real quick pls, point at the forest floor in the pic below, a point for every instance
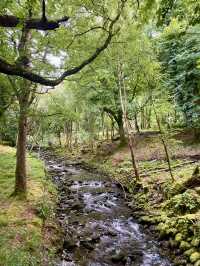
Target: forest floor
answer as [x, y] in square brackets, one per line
[171, 210]
[25, 225]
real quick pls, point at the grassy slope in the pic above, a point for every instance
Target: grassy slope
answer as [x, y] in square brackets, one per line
[24, 240]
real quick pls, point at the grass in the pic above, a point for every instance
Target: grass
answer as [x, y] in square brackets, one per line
[24, 237]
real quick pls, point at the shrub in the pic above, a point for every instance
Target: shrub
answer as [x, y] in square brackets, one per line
[187, 202]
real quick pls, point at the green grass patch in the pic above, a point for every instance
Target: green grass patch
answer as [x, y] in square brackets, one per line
[23, 238]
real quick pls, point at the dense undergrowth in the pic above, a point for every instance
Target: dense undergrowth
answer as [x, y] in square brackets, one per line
[26, 226]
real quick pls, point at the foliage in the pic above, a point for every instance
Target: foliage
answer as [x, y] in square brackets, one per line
[8, 126]
[6, 94]
[183, 10]
[179, 53]
[187, 202]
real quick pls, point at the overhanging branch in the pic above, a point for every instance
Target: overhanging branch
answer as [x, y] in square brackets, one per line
[8, 21]
[16, 70]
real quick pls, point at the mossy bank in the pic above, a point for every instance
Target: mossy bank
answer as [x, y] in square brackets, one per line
[169, 210]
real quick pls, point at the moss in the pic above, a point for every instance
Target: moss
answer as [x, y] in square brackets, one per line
[195, 242]
[179, 237]
[194, 257]
[187, 202]
[184, 245]
[171, 189]
[189, 252]
[161, 227]
[152, 219]
[171, 231]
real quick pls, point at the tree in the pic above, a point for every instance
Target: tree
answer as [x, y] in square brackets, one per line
[100, 18]
[101, 84]
[179, 53]
[183, 10]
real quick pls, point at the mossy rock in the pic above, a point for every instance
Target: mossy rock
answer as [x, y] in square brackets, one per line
[159, 219]
[197, 263]
[194, 257]
[189, 252]
[162, 227]
[147, 219]
[165, 230]
[195, 242]
[171, 231]
[184, 245]
[179, 237]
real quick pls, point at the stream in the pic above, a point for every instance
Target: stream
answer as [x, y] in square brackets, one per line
[99, 228]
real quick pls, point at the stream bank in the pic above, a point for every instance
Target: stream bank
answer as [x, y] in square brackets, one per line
[99, 229]
[169, 211]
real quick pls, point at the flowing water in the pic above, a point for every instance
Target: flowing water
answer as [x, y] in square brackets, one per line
[99, 228]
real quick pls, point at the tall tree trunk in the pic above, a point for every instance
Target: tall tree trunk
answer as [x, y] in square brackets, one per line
[118, 117]
[121, 132]
[112, 127]
[136, 123]
[149, 118]
[123, 101]
[164, 144]
[23, 98]
[20, 172]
